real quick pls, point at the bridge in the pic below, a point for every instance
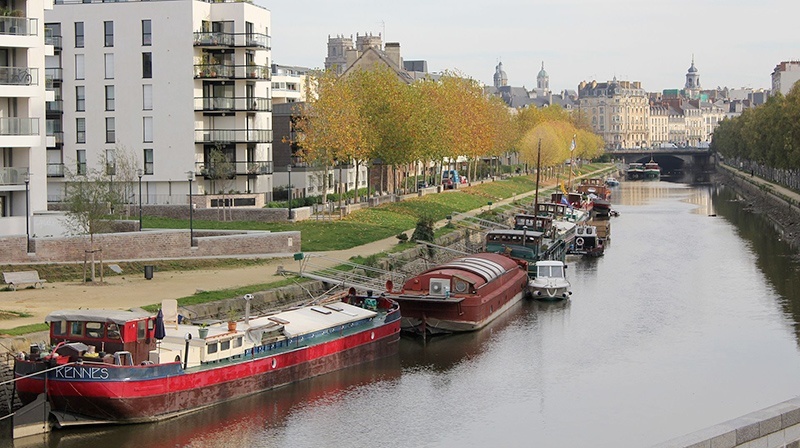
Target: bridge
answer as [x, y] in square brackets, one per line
[685, 164]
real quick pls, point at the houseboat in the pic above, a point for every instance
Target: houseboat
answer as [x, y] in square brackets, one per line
[462, 295]
[588, 242]
[635, 171]
[651, 170]
[107, 366]
[594, 186]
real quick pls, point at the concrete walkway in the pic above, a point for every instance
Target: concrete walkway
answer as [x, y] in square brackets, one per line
[790, 196]
[131, 290]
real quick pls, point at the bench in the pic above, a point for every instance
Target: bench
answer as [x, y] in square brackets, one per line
[14, 279]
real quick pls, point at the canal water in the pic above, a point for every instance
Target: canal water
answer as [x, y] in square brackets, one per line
[690, 319]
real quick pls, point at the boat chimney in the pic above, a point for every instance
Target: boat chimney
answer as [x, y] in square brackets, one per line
[247, 299]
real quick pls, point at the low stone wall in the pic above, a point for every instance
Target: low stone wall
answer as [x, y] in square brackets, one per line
[775, 427]
[214, 214]
[301, 213]
[151, 244]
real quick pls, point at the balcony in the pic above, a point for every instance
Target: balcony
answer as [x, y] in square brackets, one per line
[52, 75]
[222, 39]
[19, 126]
[255, 168]
[232, 104]
[19, 26]
[233, 135]
[55, 170]
[19, 76]
[54, 107]
[13, 175]
[55, 41]
[225, 71]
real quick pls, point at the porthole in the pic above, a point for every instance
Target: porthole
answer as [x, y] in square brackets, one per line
[461, 286]
[274, 363]
[372, 335]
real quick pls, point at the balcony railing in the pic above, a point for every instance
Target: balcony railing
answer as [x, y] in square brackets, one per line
[54, 107]
[13, 175]
[256, 168]
[59, 138]
[53, 74]
[19, 76]
[222, 39]
[55, 41]
[232, 71]
[55, 170]
[233, 135]
[19, 126]
[233, 104]
[19, 26]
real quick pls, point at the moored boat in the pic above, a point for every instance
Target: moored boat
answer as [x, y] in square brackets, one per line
[651, 170]
[588, 241]
[128, 367]
[550, 282]
[635, 171]
[612, 182]
[462, 295]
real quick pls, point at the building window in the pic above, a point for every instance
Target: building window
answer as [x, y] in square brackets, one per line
[80, 98]
[78, 34]
[147, 97]
[80, 157]
[148, 161]
[109, 98]
[109, 65]
[111, 162]
[108, 28]
[147, 33]
[80, 67]
[147, 126]
[111, 136]
[80, 130]
[147, 65]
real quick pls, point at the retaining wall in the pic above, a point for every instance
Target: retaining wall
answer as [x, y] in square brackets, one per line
[150, 244]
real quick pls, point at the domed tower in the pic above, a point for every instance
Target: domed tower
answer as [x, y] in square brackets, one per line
[542, 80]
[500, 78]
[692, 86]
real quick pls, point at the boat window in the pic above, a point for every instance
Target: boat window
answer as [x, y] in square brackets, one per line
[225, 345]
[212, 348]
[59, 328]
[237, 342]
[112, 330]
[140, 329]
[94, 330]
[76, 329]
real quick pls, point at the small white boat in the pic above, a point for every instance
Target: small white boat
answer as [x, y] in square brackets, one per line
[550, 282]
[612, 182]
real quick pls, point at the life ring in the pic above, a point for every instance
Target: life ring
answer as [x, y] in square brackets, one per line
[579, 241]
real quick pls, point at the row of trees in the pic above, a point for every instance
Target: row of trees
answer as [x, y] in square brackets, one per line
[373, 114]
[768, 135]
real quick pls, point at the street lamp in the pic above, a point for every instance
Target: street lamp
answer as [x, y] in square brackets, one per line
[27, 211]
[140, 173]
[190, 178]
[289, 170]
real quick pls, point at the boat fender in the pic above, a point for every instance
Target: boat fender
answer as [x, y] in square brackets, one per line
[579, 241]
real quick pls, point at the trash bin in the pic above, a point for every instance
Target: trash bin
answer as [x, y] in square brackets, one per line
[148, 271]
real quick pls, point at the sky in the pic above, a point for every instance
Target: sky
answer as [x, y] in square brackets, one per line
[735, 43]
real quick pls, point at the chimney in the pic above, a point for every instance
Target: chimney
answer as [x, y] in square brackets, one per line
[392, 50]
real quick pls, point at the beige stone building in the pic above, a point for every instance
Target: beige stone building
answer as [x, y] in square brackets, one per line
[618, 111]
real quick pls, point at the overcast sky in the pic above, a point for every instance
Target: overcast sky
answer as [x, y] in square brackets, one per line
[735, 43]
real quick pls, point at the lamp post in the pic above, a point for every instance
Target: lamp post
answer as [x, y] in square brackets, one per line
[289, 188]
[140, 173]
[27, 211]
[190, 178]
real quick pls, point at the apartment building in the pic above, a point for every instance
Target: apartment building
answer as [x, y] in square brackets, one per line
[618, 111]
[182, 87]
[784, 76]
[23, 179]
[289, 84]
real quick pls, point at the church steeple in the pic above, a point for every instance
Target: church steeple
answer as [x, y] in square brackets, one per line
[500, 78]
[542, 79]
[692, 86]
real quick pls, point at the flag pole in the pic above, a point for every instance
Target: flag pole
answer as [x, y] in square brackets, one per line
[538, 169]
[571, 150]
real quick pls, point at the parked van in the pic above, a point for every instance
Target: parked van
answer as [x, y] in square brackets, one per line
[450, 178]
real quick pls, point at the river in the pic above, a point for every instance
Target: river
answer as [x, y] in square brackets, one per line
[690, 319]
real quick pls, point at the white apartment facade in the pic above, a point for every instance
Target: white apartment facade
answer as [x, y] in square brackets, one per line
[289, 84]
[784, 76]
[168, 83]
[23, 179]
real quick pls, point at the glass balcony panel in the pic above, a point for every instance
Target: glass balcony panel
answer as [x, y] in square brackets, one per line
[13, 175]
[19, 76]
[19, 26]
[19, 126]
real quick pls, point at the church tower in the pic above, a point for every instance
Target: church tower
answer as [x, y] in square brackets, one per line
[542, 80]
[337, 53]
[500, 78]
[692, 87]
